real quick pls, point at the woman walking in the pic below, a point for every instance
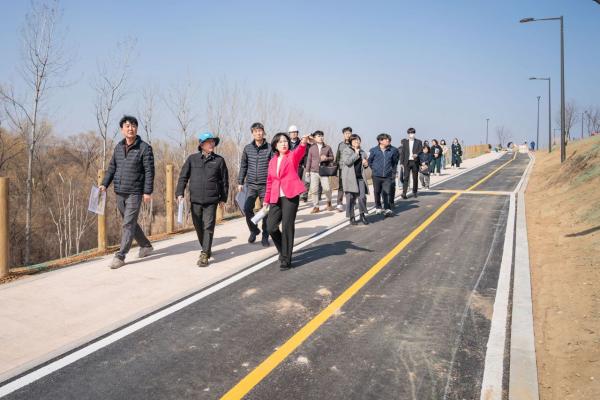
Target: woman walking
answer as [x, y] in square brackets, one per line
[456, 153]
[436, 158]
[425, 160]
[353, 163]
[445, 154]
[282, 196]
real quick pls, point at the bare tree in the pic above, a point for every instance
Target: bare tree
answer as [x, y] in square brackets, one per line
[179, 101]
[70, 216]
[503, 135]
[44, 61]
[10, 147]
[571, 118]
[109, 85]
[150, 97]
[592, 115]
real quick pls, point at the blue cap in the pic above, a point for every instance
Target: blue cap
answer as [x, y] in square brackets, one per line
[203, 137]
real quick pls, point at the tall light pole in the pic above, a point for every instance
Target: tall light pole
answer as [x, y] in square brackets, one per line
[563, 134]
[549, 110]
[487, 130]
[537, 137]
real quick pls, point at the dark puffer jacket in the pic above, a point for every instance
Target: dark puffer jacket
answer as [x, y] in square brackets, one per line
[255, 164]
[132, 172]
[208, 178]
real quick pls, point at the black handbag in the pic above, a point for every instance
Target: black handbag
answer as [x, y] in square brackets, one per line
[328, 170]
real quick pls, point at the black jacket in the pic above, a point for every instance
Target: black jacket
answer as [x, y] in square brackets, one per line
[208, 178]
[132, 173]
[439, 151]
[254, 165]
[405, 155]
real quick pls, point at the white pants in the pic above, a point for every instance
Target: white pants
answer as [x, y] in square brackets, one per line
[315, 181]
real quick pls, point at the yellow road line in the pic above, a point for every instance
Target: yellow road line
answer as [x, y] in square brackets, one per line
[263, 369]
[492, 173]
[482, 192]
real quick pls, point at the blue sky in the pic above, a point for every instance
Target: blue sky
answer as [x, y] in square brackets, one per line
[440, 66]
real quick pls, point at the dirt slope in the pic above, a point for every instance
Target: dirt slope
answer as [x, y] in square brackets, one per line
[563, 221]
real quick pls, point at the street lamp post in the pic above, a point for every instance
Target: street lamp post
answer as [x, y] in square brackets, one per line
[549, 110]
[563, 134]
[487, 125]
[537, 137]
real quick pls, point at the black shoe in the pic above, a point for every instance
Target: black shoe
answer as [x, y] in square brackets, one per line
[283, 266]
[415, 195]
[203, 260]
[353, 221]
[363, 219]
[252, 237]
[265, 241]
[404, 196]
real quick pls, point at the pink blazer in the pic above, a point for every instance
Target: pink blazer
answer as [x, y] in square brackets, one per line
[288, 176]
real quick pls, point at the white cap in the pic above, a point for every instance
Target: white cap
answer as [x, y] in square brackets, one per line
[292, 128]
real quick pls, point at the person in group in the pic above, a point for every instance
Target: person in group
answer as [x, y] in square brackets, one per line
[282, 195]
[436, 158]
[445, 154]
[395, 176]
[253, 172]
[425, 160]
[383, 161]
[456, 153]
[411, 148]
[132, 169]
[294, 133]
[319, 154]
[425, 142]
[347, 132]
[353, 163]
[208, 180]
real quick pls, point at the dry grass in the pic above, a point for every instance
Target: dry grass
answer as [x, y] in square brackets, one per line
[563, 220]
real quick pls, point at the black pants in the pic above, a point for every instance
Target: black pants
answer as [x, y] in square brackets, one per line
[382, 187]
[340, 194]
[303, 196]
[413, 169]
[204, 217]
[254, 192]
[393, 192]
[283, 212]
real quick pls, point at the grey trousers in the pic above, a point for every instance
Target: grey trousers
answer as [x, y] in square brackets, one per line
[129, 207]
[361, 196]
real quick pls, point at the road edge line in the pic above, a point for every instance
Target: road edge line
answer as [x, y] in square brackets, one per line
[523, 378]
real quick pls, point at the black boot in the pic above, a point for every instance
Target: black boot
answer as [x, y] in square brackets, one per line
[353, 221]
[363, 219]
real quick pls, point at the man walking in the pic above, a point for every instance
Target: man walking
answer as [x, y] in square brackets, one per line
[253, 171]
[383, 161]
[319, 154]
[209, 185]
[411, 148]
[347, 132]
[132, 170]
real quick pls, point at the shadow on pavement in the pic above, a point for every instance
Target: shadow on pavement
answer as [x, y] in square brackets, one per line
[321, 251]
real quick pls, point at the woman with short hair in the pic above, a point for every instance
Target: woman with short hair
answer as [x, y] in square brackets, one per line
[282, 196]
[354, 161]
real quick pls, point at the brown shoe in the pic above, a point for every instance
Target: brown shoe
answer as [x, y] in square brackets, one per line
[330, 207]
[315, 210]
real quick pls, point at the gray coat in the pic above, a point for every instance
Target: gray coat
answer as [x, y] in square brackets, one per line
[349, 180]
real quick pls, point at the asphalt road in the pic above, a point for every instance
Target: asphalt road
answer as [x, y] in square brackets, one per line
[417, 330]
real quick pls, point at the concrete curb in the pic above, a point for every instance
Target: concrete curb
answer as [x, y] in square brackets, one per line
[523, 382]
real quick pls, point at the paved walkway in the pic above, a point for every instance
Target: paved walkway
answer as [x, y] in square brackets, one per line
[49, 314]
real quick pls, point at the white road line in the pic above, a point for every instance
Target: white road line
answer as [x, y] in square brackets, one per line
[121, 333]
[491, 386]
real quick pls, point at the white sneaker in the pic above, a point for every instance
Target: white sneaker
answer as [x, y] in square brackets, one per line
[145, 251]
[340, 207]
[388, 213]
[378, 211]
[116, 263]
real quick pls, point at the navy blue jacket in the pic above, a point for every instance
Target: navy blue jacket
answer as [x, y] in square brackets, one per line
[384, 163]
